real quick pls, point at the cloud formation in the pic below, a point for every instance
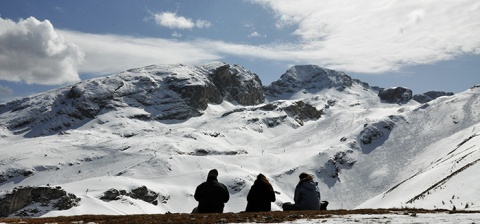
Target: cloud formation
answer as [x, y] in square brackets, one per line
[172, 21]
[354, 36]
[203, 23]
[176, 35]
[33, 52]
[253, 34]
[106, 54]
[378, 36]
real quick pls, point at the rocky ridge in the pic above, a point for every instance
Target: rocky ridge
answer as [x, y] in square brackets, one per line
[312, 78]
[175, 92]
[430, 95]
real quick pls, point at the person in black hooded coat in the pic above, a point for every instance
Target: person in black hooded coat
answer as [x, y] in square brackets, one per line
[211, 195]
[260, 196]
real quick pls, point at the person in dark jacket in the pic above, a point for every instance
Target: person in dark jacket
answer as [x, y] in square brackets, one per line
[307, 195]
[211, 195]
[260, 196]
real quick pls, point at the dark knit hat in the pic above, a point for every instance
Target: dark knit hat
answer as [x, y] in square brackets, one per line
[303, 176]
[213, 173]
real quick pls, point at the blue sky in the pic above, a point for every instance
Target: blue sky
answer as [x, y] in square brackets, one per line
[423, 45]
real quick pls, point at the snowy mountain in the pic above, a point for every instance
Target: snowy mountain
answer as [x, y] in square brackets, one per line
[141, 141]
[161, 92]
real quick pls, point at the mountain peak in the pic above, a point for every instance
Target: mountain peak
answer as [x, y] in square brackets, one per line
[306, 72]
[160, 92]
[313, 78]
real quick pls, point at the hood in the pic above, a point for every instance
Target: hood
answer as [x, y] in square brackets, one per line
[310, 185]
[211, 179]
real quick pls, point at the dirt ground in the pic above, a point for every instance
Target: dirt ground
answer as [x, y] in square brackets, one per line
[256, 217]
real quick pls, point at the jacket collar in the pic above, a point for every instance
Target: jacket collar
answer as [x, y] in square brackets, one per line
[211, 179]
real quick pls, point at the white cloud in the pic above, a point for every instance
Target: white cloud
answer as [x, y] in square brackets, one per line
[32, 51]
[254, 34]
[203, 24]
[105, 54]
[172, 21]
[353, 36]
[378, 36]
[176, 35]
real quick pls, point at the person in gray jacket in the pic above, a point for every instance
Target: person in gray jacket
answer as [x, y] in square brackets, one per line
[307, 195]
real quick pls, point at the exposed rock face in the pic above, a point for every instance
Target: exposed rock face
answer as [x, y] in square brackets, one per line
[274, 121]
[376, 133]
[111, 194]
[398, 95]
[195, 98]
[311, 77]
[302, 111]
[142, 193]
[236, 87]
[174, 92]
[299, 111]
[429, 96]
[205, 152]
[24, 196]
[12, 173]
[237, 184]
[330, 172]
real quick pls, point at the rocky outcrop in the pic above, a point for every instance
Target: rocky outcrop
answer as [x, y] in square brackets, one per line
[303, 111]
[330, 172]
[236, 87]
[372, 132]
[195, 97]
[112, 194]
[141, 193]
[206, 152]
[376, 133]
[429, 96]
[397, 95]
[311, 78]
[236, 184]
[299, 111]
[14, 173]
[272, 122]
[173, 92]
[21, 197]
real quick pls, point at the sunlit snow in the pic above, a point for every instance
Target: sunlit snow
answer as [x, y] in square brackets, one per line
[429, 158]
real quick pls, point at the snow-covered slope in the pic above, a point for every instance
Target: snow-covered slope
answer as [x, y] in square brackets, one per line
[442, 141]
[165, 127]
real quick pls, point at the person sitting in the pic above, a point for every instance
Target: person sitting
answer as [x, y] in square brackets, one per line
[260, 196]
[307, 195]
[211, 195]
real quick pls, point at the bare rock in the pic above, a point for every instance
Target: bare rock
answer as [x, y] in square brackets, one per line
[429, 96]
[398, 95]
[23, 196]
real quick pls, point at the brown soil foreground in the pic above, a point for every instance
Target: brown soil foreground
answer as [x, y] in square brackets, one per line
[258, 217]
